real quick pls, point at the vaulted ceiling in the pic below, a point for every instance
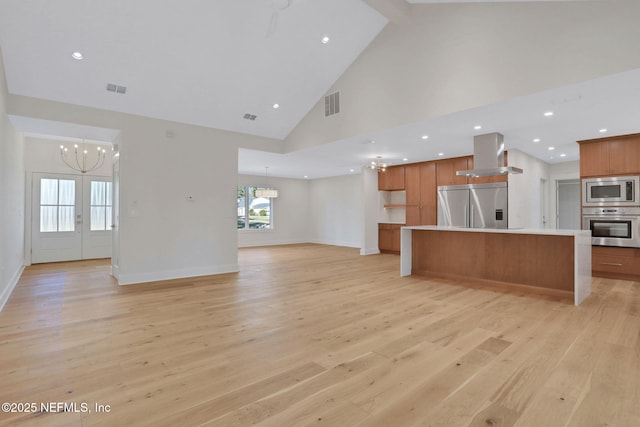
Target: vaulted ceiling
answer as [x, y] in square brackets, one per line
[199, 62]
[210, 63]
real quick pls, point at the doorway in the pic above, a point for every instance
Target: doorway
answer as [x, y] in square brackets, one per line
[568, 204]
[71, 217]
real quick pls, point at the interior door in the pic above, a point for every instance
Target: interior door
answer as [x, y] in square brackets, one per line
[71, 217]
[568, 204]
[56, 226]
[96, 227]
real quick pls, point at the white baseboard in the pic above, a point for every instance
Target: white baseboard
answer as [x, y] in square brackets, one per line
[4, 297]
[337, 243]
[115, 272]
[369, 251]
[132, 279]
[272, 243]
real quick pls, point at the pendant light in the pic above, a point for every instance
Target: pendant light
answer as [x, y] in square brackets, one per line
[82, 161]
[266, 191]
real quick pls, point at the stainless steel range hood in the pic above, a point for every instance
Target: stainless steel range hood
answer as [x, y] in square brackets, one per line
[488, 157]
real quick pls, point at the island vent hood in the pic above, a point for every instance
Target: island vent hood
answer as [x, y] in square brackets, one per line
[488, 157]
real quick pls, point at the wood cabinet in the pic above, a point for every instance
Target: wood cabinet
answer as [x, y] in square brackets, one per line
[615, 263]
[422, 198]
[594, 159]
[613, 156]
[389, 238]
[618, 155]
[446, 171]
[391, 179]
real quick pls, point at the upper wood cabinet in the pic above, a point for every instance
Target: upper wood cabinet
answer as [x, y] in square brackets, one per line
[618, 155]
[420, 183]
[624, 156]
[446, 171]
[391, 179]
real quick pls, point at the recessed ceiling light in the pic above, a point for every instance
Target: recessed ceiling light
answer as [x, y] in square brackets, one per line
[563, 155]
[440, 154]
[306, 177]
[425, 136]
[276, 105]
[536, 140]
[352, 170]
[325, 40]
[603, 130]
[405, 160]
[551, 148]
[548, 113]
[477, 127]
[77, 55]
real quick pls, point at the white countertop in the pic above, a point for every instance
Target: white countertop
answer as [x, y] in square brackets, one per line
[544, 231]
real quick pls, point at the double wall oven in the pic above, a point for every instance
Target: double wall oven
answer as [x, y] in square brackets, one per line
[611, 210]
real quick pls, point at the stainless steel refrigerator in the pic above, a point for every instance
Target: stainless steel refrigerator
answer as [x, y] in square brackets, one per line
[473, 205]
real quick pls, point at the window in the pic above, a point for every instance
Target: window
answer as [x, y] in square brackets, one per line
[57, 205]
[253, 212]
[100, 205]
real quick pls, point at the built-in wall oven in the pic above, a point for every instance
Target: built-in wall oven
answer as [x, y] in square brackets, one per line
[611, 191]
[614, 226]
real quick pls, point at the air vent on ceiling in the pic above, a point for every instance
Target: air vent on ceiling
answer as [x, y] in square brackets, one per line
[250, 116]
[332, 104]
[115, 88]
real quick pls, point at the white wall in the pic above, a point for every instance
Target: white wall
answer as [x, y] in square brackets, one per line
[335, 210]
[177, 203]
[526, 200]
[11, 198]
[290, 213]
[558, 172]
[163, 234]
[446, 58]
[369, 221]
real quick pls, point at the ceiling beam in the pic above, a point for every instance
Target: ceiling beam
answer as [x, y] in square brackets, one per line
[394, 10]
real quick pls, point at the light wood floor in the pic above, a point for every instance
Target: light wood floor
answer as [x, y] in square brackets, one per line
[316, 335]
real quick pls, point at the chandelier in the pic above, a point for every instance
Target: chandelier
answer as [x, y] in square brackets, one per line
[377, 164]
[82, 161]
[266, 191]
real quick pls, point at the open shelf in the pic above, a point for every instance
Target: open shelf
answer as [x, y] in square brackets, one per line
[392, 207]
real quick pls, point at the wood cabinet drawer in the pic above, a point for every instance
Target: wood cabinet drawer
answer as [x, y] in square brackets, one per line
[616, 265]
[622, 263]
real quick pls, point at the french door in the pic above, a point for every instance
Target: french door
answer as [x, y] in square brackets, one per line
[71, 217]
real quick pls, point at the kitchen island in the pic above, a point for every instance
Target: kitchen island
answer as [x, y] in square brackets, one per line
[556, 262]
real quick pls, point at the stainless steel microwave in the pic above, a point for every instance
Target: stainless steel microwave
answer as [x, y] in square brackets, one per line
[611, 191]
